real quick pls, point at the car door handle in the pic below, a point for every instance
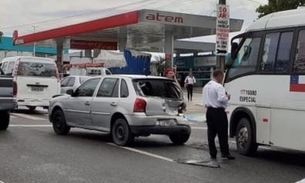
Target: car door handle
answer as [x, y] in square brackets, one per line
[87, 103]
[113, 104]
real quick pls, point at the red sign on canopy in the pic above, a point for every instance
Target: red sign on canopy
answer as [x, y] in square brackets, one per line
[87, 45]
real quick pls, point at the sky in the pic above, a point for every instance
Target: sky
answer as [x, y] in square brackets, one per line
[28, 16]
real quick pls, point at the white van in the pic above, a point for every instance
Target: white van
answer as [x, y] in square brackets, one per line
[86, 69]
[37, 79]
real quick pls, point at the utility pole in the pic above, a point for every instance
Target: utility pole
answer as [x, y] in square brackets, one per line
[220, 40]
[34, 46]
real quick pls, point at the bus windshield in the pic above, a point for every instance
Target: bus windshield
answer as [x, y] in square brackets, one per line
[246, 57]
[39, 69]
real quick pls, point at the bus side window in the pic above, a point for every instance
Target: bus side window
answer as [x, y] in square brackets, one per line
[269, 53]
[276, 52]
[299, 62]
[283, 54]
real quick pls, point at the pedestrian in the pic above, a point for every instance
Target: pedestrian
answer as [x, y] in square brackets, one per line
[215, 100]
[169, 73]
[189, 84]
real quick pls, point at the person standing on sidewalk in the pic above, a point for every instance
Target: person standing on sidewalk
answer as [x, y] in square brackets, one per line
[189, 83]
[216, 100]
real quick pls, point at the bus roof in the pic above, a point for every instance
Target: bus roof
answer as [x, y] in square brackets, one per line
[282, 19]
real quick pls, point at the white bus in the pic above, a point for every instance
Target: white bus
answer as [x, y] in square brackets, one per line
[36, 78]
[267, 88]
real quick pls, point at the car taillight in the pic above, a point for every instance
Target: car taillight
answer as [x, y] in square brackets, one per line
[15, 89]
[139, 105]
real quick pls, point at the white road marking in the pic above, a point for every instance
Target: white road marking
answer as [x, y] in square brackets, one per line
[28, 116]
[1, 181]
[30, 126]
[13, 117]
[144, 153]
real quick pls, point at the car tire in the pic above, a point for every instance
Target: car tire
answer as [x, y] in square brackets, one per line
[179, 139]
[121, 133]
[245, 141]
[31, 108]
[5, 120]
[60, 126]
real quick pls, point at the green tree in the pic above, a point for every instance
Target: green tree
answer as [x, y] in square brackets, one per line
[278, 5]
[159, 65]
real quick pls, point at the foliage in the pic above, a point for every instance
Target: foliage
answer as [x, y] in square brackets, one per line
[278, 5]
[159, 65]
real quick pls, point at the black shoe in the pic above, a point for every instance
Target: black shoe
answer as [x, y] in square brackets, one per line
[229, 157]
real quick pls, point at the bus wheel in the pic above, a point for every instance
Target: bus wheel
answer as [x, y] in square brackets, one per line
[245, 141]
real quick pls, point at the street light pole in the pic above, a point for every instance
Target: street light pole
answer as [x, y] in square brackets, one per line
[34, 46]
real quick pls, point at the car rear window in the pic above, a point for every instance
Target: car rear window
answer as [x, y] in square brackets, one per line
[157, 88]
[36, 69]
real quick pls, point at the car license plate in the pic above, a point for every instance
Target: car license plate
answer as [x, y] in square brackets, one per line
[169, 122]
[37, 88]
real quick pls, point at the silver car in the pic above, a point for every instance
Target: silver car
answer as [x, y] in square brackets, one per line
[71, 82]
[123, 106]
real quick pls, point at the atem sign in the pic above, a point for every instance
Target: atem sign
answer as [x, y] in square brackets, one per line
[164, 18]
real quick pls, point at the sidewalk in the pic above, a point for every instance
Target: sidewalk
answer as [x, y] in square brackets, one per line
[195, 112]
[195, 90]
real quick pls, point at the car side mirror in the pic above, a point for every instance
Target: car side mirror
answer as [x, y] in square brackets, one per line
[70, 92]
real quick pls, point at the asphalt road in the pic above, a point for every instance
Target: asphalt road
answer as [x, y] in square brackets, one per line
[31, 152]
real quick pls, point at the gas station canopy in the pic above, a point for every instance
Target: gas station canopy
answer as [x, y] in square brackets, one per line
[131, 30]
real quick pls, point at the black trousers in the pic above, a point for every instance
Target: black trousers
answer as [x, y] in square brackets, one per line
[217, 122]
[189, 91]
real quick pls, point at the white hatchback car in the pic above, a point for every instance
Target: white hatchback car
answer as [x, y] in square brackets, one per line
[124, 106]
[71, 82]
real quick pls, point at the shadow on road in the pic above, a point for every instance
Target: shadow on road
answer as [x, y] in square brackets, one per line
[281, 156]
[143, 142]
[27, 111]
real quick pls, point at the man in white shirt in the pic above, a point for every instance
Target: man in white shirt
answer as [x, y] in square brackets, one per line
[216, 100]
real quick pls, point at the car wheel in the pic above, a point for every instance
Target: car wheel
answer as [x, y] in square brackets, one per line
[121, 133]
[5, 120]
[60, 126]
[179, 139]
[245, 141]
[31, 108]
